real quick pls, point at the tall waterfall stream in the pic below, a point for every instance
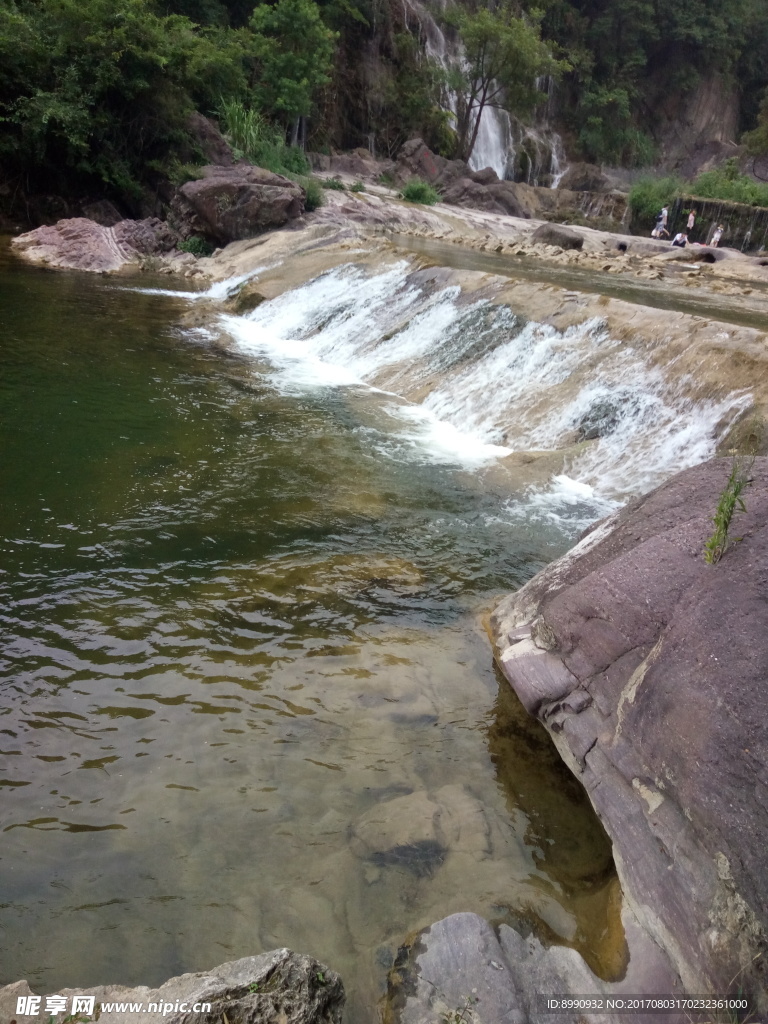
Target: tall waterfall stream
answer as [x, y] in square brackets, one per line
[244, 572]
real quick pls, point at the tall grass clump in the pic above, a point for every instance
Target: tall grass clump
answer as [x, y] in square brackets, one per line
[259, 140]
[313, 192]
[418, 191]
[729, 503]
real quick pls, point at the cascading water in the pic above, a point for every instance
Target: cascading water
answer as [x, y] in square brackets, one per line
[496, 383]
[533, 153]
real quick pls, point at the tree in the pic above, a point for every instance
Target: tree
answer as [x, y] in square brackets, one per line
[293, 51]
[503, 55]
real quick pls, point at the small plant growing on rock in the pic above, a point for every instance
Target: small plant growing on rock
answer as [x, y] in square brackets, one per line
[731, 502]
[462, 1014]
[334, 184]
[314, 195]
[418, 191]
[196, 245]
[357, 186]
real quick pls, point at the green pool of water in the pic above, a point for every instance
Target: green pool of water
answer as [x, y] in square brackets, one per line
[233, 626]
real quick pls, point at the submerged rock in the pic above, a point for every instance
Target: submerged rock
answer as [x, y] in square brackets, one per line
[416, 831]
[602, 418]
[280, 987]
[648, 667]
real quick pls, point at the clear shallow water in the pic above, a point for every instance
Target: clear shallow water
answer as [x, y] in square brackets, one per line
[238, 617]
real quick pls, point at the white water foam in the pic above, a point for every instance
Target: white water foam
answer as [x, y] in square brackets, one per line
[496, 383]
[217, 291]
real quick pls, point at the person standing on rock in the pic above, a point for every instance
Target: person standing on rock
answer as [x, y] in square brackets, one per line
[691, 220]
[717, 236]
[661, 223]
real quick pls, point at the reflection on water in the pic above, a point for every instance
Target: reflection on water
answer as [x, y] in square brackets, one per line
[247, 700]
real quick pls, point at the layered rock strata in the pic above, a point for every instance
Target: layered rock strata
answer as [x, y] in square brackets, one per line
[648, 667]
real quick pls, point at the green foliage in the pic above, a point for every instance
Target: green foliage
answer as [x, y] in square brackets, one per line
[260, 141]
[314, 197]
[727, 183]
[96, 89]
[401, 98]
[418, 191]
[648, 195]
[334, 184]
[731, 502]
[293, 51]
[503, 54]
[654, 53]
[196, 245]
[608, 133]
[357, 186]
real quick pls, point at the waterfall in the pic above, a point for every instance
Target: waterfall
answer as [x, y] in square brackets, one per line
[515, 151]
[467, 382]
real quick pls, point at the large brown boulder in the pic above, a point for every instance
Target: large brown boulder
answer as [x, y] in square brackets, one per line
[649, 667]
[229, 203]
[416, 160]
[81, 244]
[280, 986]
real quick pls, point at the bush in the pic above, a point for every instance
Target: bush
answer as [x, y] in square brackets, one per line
[333, 184]
[728, 183]
[260, 141]
[196, 245]
[313, 190]
[648, 195]
[418, 191]
[358, 186]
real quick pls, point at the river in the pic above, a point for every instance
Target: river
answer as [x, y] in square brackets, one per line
[242, 589]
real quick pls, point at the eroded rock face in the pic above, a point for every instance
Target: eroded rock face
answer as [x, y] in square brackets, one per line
[649, 669]
[581, 177]
[557, 234]
[280, 987]
[496, 197]
[82, 244]
[230, 203]
[209, 140]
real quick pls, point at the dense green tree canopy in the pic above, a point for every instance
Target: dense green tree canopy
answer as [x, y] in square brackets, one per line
[293, 50]
[95, 94]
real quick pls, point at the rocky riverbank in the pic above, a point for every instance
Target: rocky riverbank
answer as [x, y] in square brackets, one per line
[279, 986]
[647, 666]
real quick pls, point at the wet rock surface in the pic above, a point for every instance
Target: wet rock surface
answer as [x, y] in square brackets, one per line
[279, 987]
[463, 966]
[82, 244]
[648, 668]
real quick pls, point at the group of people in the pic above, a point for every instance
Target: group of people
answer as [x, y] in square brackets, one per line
[681, 238]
